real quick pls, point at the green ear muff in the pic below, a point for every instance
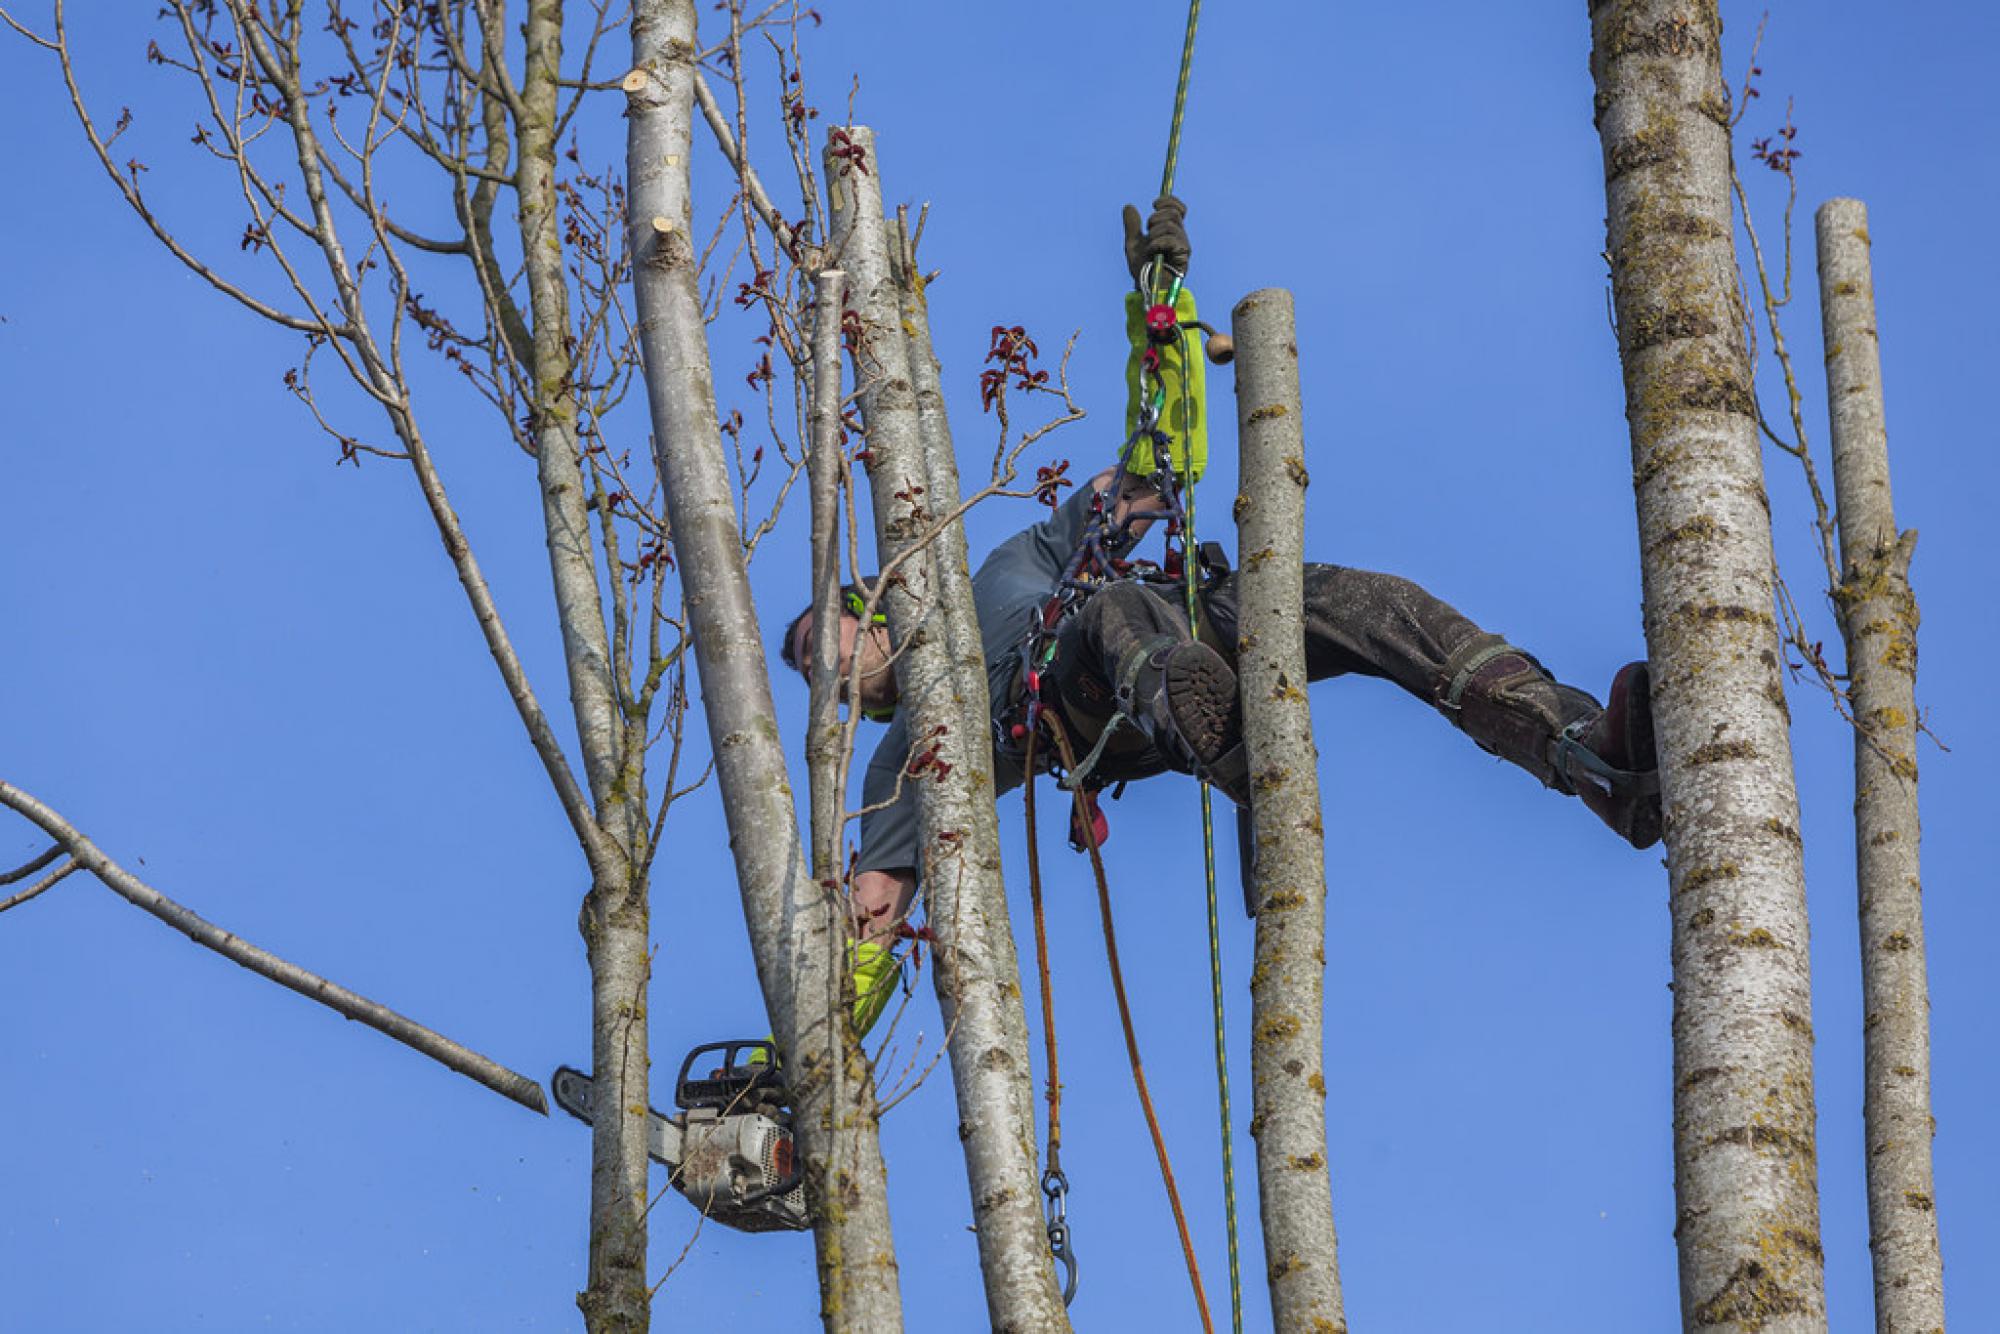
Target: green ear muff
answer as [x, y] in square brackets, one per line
[857, 607]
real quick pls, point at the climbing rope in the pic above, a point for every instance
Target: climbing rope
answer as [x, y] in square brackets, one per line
[1180, 99]
[1055, 1186]
[1150, 286]
[1084, 821]
[1190, 578]
[1096, 559]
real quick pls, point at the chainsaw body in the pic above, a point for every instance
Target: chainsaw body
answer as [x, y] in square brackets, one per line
[729, 1148]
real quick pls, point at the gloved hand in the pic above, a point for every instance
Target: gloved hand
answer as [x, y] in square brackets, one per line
[1164, 236]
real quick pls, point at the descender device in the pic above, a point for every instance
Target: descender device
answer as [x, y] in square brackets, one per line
[729, 1148]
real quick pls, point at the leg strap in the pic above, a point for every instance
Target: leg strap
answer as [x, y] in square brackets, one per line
[1077, 777]
[1465, 661]
[1569, 754]
[1127, 714]
[1128, 679]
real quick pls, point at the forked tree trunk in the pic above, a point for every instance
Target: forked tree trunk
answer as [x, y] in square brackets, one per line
[1287, 983]
[1744, 1153]
[941, 678]
[1878, 621]
[797, 927]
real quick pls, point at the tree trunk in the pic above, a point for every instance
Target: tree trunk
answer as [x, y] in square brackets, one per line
[797, 927]
[1287, 984]
[941, 678]
[824, 467]
[616, 913]
[1744, 1153]
[1878, 621]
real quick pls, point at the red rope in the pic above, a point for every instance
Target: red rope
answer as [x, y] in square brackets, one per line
[1042, 959]
[1124, 1007]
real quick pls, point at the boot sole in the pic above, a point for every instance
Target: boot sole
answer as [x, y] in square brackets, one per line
[1632, 693]
[1632, 699]
[1201, 697]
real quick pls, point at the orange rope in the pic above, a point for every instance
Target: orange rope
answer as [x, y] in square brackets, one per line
[1042, 960]
[1125, 1017]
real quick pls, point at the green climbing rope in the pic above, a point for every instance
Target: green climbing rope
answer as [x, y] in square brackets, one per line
[1190, 570]
[1180, 99]
[1191, 574]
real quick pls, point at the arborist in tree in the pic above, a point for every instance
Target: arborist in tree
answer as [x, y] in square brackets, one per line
[1105, 645]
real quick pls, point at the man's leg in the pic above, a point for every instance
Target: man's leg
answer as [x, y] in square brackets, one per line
[1382, 625]
[1127, 653]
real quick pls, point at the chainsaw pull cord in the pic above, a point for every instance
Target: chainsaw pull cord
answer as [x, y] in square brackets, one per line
[1055, 1186]
[1082, 816]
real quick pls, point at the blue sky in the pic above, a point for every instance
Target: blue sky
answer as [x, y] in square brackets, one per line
[251, 677]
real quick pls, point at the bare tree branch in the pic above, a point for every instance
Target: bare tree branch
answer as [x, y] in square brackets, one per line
[32, 36]
[40, 887]
[517, 1087]
[24, 871]
[725, 139]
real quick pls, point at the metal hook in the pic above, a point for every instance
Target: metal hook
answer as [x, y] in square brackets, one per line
[1055, 1186]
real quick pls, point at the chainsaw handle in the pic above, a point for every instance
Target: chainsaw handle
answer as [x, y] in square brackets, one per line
[733, 1078]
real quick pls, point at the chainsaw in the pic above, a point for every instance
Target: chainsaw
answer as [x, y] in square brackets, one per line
[729, 1148]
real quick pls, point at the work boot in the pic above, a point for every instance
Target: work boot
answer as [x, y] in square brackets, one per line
[1611, 761]
[1504, 700]
[1182, 695]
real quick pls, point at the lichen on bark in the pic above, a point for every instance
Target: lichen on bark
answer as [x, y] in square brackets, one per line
[1748, 1216]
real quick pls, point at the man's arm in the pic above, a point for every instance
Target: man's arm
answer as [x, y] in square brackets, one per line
[1135, 493]
[881, 901]
[885, 878]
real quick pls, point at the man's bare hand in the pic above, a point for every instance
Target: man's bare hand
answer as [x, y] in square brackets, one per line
[1136, 493]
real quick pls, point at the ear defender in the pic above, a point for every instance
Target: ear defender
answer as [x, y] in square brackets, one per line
[857, 607]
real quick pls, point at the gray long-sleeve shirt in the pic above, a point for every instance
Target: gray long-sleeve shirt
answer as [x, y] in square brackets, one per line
[1012, 585]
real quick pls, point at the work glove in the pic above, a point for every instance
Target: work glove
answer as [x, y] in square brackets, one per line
[1164, 236]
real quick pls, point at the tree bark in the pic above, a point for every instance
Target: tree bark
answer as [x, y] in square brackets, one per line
[1744, 1150]
[1287, 983]
[824, 466]
[797, 927]
[1878, 621]
[941, 680]
[616, 913]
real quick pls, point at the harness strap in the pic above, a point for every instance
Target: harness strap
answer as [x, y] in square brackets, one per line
[1570, 750]
[1468, 659]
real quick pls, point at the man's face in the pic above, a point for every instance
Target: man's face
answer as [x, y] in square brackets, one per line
[878, 677]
